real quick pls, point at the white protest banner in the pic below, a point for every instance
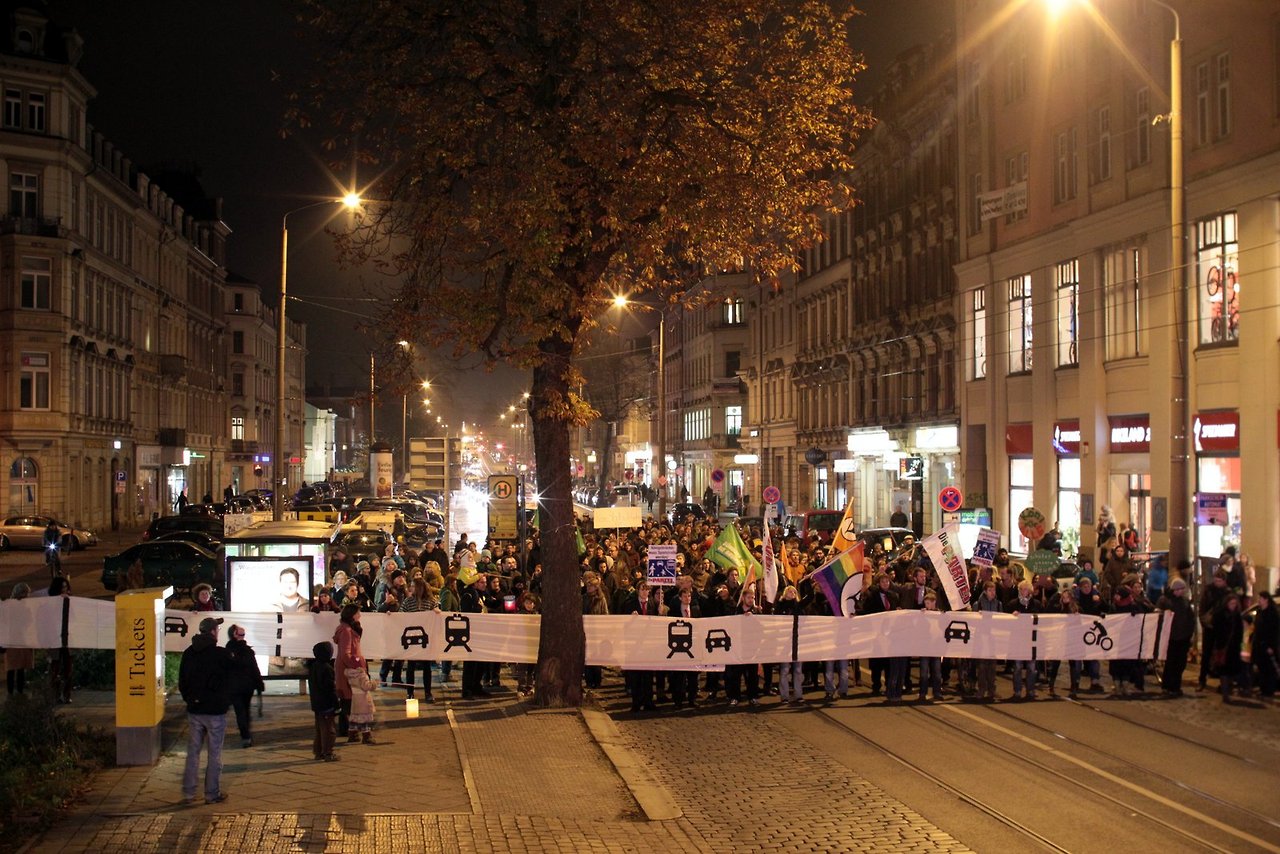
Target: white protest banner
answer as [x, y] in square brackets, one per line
[943, 549]
[634, 641]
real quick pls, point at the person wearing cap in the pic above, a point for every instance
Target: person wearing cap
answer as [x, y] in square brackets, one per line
[18, 661]
[1181, 633]
[471, 601]
[203, 682]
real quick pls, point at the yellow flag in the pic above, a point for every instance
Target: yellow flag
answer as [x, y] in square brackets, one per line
[844, 538]
[793, 573]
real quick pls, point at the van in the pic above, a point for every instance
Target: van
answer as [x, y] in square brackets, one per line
[823, 523]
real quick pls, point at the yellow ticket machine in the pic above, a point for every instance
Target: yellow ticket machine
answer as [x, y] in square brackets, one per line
[139, 674]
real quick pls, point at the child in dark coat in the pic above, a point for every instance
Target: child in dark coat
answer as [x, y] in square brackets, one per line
[322, 686]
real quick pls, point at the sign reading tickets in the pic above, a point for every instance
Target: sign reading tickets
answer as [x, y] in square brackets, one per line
[662, 567]
[140, 656]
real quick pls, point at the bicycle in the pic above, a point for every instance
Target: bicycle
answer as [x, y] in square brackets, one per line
[53, 560]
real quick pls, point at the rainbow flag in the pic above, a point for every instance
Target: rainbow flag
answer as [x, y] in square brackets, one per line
[842, 579]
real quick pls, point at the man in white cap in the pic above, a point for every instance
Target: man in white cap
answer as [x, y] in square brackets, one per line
[203, 680]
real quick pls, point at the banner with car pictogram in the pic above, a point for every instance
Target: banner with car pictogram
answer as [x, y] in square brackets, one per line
[634, 641]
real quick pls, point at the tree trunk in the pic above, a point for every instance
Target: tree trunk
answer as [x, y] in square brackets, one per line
[561, 642]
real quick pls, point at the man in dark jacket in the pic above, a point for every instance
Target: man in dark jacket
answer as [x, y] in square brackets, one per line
[471, 598]
[245, 678]
[203, 681]
[1181, 633]
[321, 685]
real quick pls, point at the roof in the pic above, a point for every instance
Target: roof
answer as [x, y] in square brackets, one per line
[288, 531]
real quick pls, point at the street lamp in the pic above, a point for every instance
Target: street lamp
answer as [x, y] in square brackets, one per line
[621, 301]
[1181, 452]
[350, 201]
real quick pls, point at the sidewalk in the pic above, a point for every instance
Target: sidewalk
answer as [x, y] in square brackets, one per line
[465, 776]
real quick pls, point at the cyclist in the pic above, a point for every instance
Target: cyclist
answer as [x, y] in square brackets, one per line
[52, 544]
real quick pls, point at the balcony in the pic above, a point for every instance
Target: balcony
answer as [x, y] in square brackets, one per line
[244, 446]
[173, 437]
[32, 226]
[173, 366]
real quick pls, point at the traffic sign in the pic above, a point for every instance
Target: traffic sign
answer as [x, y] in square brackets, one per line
[950, 498]
[772, 494]
[662, 480]
[503, 515]
[717, 475]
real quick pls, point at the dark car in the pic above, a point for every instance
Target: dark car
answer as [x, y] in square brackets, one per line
[210, 525]
[165, 562]
[890, 539]
[201, 538]
[686, 513]
[361, 541]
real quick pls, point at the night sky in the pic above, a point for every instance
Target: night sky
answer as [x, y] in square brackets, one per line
[185, 82]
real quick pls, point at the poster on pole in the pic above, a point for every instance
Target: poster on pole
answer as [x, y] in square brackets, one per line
[662, 565]
[986, 547]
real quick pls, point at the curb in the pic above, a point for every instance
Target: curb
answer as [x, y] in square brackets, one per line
[652, 796]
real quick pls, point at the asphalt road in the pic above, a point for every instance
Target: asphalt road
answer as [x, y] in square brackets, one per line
[83, 566]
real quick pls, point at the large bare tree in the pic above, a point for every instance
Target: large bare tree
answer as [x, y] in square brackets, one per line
[539, 156]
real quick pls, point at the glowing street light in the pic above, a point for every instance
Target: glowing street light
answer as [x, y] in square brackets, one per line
[351, 201]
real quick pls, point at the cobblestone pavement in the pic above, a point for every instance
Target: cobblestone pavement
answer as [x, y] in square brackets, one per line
[540, 784]
[748, 785]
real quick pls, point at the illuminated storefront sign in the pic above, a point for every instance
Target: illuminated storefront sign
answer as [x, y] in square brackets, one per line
[1217, 432]
[1130, 434]
[1066, 438]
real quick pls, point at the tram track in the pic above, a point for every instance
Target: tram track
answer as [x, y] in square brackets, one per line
[1146, 770]
[935, 716]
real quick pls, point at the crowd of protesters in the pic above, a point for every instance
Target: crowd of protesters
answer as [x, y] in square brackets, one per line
[613, 572]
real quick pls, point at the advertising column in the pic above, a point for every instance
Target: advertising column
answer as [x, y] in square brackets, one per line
[139, 674]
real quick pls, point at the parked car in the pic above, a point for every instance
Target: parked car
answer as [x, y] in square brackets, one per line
[210, 525]
[686, 513]
[820, 522]
[890, 539]
[165, 562]
[27, 532]
[201, 538]
[628, 494]
[362, 541]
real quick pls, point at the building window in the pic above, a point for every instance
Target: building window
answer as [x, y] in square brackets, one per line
[33, 384]
[1142, 130]
[1067, 278]
[978, 333]
[237, 427]
[237, 384]
[1021, 496]
[822, 493]
[237, 342]
[35, 112]
[1016, 169]
[1122, 287]
[1019, 324]
[1069, 503]
[1217, 280]
[733, 420]
[24, 481]
[1064, 171]
[37, 283]
[24, 194]
[733, 311]
[1015, 81]
[1224, 94]
[973, 103]
[732, 363]
[12, 108]
[238, 302]
[1203, 122]
[975, 203]
[1101, 170]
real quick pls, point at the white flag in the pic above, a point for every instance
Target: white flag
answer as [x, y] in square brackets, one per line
[770, 567]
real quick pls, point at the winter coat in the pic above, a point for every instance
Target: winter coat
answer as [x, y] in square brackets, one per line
[362, 688]
[1228, 634]
[245, 675]
[322, 687]
[350, 657]
[203, 677]
[1184, 622]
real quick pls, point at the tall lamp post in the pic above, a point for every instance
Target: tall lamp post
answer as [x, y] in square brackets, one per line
[1181, 310]
[661, 463]
[279, 470]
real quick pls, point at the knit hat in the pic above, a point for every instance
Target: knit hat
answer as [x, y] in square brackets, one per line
[1131, 578]
[1177, 584]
